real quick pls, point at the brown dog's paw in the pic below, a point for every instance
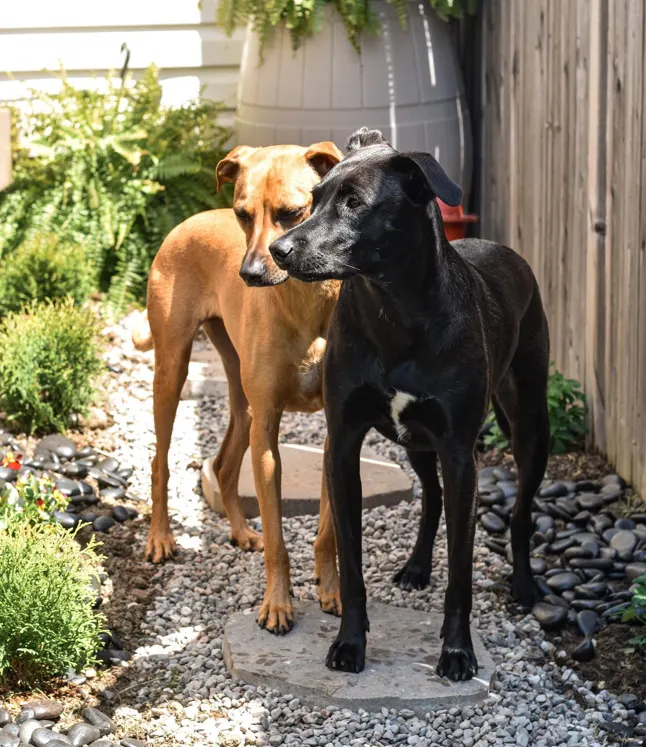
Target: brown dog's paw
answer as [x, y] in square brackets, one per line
[276, 618]
[247, 540]
[330, 602]
[160, 547]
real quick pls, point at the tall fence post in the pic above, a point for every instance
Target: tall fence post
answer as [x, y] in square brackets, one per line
[5, 148]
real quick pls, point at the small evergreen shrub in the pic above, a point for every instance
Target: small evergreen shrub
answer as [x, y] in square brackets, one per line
[48, 362]
[567, 411]
[47, 621]
[45, 268]
[31, 498]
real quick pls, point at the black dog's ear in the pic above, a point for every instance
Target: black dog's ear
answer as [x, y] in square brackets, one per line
[433, 176]
[364, 137]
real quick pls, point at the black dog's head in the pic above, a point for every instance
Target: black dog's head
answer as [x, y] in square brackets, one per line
[365, 211]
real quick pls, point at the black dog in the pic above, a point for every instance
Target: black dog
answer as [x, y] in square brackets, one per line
[425, 334]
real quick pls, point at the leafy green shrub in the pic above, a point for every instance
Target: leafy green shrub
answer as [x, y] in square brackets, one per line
[111, 170]
[47, 621]
[32, 498]
[567, 412]
[48, 360]
[304, 17]
[637, 613]
[45, 268]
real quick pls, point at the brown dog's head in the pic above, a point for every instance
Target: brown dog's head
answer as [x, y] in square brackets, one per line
[272, 192]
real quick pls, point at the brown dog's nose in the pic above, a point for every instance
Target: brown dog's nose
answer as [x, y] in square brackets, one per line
[253, 271]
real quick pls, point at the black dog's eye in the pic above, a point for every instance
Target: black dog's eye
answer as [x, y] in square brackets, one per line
[242, 215]
[352, 202]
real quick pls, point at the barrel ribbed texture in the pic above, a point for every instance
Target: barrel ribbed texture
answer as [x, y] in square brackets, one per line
[406, 83]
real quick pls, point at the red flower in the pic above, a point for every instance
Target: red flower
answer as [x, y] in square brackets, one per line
[40, 502]
[12, 460]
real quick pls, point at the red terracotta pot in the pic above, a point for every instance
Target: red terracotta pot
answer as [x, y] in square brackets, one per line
[455, 221]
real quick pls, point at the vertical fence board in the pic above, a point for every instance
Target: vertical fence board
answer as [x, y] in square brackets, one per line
[565, 173]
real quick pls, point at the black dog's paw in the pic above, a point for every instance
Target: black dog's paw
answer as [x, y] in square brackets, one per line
[347, 656]
[457, 663]
[364, 137]
[525, 591]
[412, 576]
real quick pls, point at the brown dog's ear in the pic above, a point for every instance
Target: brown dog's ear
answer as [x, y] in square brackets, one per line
[322, 157]
[228, 168]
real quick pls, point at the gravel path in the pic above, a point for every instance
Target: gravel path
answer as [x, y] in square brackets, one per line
[183, 693]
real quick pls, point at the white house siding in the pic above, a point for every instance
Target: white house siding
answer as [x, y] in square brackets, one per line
[85, 37]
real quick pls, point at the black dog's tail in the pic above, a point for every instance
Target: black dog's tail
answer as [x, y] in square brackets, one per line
[364, 137]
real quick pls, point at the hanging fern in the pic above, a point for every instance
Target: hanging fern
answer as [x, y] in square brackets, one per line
[304, 17]
[114, 171]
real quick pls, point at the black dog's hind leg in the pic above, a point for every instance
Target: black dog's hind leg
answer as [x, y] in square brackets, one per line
[342, 467]
[417, 572]
[525, 405]
[457, 659]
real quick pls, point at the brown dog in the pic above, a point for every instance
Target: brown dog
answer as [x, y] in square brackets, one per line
[271, 340]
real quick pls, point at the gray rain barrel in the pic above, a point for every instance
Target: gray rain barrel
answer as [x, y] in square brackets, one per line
[408, 84]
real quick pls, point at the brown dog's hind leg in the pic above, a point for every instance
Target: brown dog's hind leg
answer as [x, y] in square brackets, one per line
[276, 612]
[228, 462]
[171, 368]
[325, 570]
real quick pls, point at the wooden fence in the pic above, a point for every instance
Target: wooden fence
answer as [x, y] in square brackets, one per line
[562, 138]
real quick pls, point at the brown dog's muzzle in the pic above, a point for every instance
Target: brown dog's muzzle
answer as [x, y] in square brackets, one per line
[259, 269]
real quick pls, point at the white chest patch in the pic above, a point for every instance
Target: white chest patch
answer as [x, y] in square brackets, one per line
[399, 402]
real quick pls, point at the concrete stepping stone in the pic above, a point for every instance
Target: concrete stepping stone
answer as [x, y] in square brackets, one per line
[403, 650]
[384, 483]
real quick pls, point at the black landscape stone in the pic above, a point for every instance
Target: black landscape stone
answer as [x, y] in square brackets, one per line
[65, 519]
[555, 490]
[493, 523]
[550, 617]
[634, 570]
[68, 487]
[584, 651]
[624, 542]
[132, 743]
[103, 523]
[8, 475]
[41, 737]
[108, 465]
[111, 480]
[625, 524]
[538, 566]
[600, 564]
[45, 709]
[57, 444]
[588, 622]
[590, 501]
[565, 581]
[82, 734]
[556, 601]
[5, 717]
[74, 469]
[559, 545]
[97, 718]
[120, 513]
[113, 493]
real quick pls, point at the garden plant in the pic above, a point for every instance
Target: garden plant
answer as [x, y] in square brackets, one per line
[48, 363]
[567, 412]
[47, 621]
[113, 171]
[305, 18]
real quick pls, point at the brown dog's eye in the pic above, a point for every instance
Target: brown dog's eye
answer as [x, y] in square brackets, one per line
[288, 215]
[242, 215]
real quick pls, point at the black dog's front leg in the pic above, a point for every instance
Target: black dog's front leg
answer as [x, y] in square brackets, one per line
[344, 487]
[417, 572]
[457, 659]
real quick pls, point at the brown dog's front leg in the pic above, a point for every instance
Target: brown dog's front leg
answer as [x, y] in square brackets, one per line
[276, 613]
[325, 570]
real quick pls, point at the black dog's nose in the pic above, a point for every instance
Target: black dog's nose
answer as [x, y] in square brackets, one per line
[281, 248]
[253, 272]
